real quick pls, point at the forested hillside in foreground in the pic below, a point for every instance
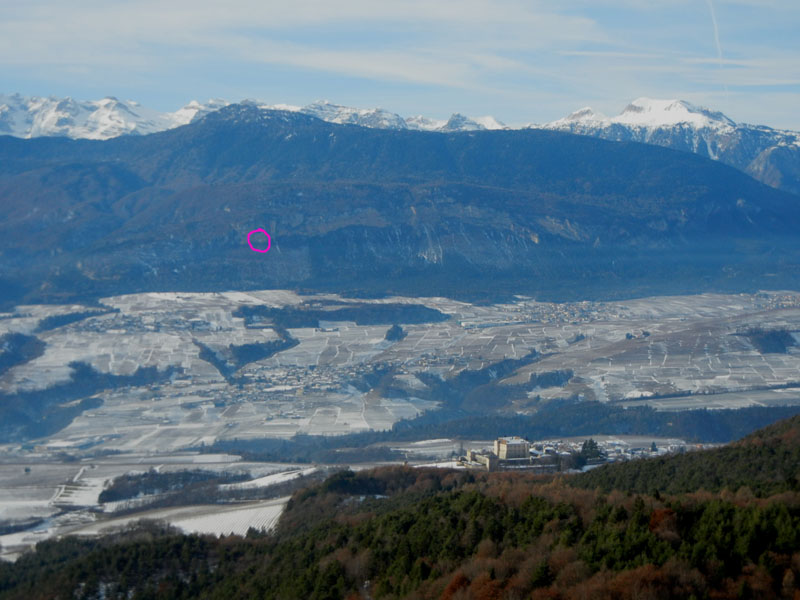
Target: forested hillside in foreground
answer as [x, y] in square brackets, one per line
[766, 462]
[400, 532]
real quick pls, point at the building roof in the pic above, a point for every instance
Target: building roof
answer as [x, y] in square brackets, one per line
[514, 439]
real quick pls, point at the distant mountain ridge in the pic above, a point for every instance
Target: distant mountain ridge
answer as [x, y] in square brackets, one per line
[32, 116]
[367, 210]
[771, 156]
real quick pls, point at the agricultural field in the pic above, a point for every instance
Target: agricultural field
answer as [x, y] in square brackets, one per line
[48, 498]
[695, 351]
[692, 350]
[273, 364]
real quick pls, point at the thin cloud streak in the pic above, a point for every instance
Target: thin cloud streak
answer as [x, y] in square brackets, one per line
[521, 60]
[716, 37]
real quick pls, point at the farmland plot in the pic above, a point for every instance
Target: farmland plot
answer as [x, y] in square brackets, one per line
[630, 351]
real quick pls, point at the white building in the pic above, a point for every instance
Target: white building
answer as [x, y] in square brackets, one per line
[506, 448]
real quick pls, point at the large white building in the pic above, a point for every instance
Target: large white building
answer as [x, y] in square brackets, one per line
[506, 448]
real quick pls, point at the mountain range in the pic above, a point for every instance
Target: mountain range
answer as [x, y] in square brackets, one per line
[367, 210]
[32, 116]
[771, 156]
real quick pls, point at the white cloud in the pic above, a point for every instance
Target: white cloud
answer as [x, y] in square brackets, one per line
[442, 43]
[520, 55]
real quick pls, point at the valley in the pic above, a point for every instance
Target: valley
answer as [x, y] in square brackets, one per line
[339, 378]
[388, 346]
[342, 377]
[425, 293]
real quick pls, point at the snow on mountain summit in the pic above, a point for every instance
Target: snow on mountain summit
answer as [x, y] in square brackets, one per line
[195, 110]
[582, 115]
[660, 113]
[490, 123]
[647, 113]
[585, 114]
[420, 123]
[28, 117]
[459, 122]
[769, 155]
[376, 118]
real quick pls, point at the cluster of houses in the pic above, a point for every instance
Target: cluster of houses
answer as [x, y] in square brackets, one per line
[514, 452]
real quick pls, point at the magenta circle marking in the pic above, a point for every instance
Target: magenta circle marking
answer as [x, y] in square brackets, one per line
[253, 248]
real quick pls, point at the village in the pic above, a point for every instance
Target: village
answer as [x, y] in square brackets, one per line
[569, 455]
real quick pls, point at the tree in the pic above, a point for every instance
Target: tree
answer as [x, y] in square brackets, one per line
[590, 449]
[395, 333]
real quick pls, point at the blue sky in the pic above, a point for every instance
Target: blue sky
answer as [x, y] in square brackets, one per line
[521, 61]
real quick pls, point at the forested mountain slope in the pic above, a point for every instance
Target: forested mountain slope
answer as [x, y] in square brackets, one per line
[352, 209]
[767, 462]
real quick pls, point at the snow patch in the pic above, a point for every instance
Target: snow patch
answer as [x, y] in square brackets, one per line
[647, 113]
[234, 521]
[420, 123]
[268, 480]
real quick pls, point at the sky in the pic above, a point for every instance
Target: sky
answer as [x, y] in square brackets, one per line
[528, 61]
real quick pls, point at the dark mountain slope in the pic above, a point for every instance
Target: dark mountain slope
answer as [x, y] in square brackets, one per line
[354, 209]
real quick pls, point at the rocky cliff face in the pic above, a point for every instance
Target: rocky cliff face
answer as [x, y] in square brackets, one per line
[356, 210]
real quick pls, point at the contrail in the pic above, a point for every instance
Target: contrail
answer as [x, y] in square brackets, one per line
[716, 31]
[716, 41]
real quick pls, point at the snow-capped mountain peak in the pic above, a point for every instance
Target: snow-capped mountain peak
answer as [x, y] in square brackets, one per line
[459, 122]
[377, 118]
[648, 112]
[34, 116]
[195, 110]
[110, 117]
[489, 122]
[420, 123]
[769, 155]
[582, 115]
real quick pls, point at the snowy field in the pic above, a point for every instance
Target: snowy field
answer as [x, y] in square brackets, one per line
[269, 480]
[57, 497]
[440, 448]
[232, 520]
[213, 519]
[633, 351]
